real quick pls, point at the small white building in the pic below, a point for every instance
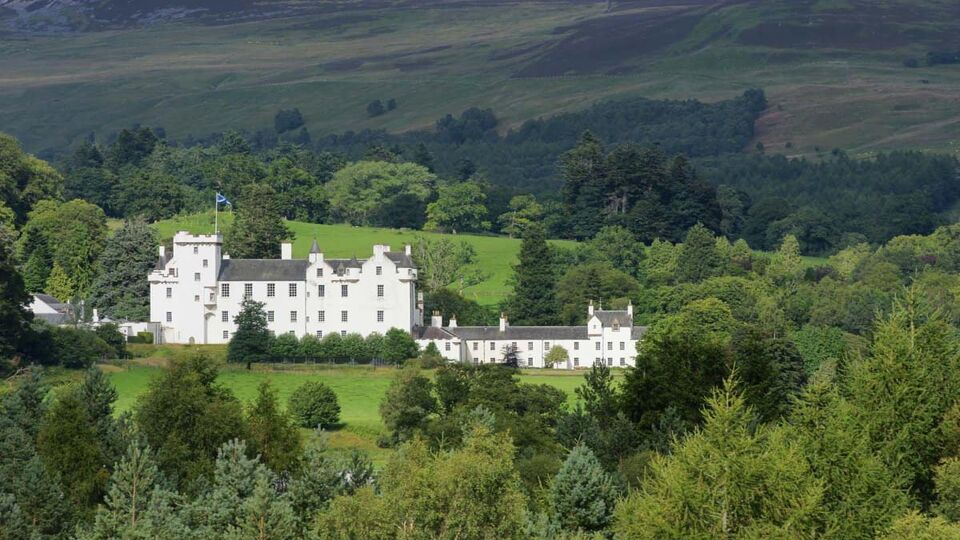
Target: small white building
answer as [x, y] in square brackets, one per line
[609, 337]
[50, 310]
[196, 291]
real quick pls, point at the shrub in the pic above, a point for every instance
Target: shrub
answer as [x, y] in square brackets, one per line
[431, 358]
[79, 348]
[145, 337]
[314, 404]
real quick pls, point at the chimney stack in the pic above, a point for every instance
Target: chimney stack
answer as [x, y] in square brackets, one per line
[286, 250]
[436, 320]
[590, 309]
[503, 322]
[630, 308]
[162, 251]
[453, 322]
[408, 249]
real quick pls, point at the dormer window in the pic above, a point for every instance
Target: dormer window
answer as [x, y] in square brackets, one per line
[616, 326]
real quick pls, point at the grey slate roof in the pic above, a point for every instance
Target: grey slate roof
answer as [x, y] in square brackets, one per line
[608, 317]
[346, 263]
[49, 300]
[315, 247]
[53, 318]
[401, 259]
[263, 270]
[519, 332]
[431, 332]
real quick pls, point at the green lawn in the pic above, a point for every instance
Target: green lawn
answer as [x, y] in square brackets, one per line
[495, 254]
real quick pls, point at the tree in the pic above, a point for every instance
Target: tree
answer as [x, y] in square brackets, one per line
[556, 356]
[593, 282]
[258, 228]
[15, 317]
[698, 258]
[252, 340]
[186, 416]
[399, 346]
[381, 194]
[598, 394]
[583, 495]
[148, 194]
[916, 526]
[68, 444]
[534, 301]
[727, 479]
[375, 108]
[585, 186]
[524, 210]
[459, 207]
[407, 404]
[314, 405]
[264, 515]
[272, 433]
[786, 267]
[99, 395]
[287, 120]
[25, 406]
[621, 248]
[442, 262]
[135, 505]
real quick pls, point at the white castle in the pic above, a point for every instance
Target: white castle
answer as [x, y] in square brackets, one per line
[196, 292]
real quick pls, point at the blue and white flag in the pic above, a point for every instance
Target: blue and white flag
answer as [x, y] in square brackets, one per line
[221, 199]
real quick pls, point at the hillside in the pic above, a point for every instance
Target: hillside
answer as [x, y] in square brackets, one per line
[833, 71]
[495, 254]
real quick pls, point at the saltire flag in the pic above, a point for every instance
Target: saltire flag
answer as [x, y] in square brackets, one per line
[221, 199]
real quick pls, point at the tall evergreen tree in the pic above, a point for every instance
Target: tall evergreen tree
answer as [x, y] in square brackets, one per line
[258, 228]
[534, 300]
[583, 495]
[698, 258]
[272, 433]
[25, 406]
[585, 188]
[252, 340]
[120, 290]
[99, 396]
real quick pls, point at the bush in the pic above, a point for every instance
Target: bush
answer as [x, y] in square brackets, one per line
[78, 348]
[430, 357]
[314, 404]
[145, 337]
[111, 334]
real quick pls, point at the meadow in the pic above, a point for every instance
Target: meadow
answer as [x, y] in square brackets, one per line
[359, 388]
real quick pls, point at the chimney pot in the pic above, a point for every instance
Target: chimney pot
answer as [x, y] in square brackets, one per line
[286, 250]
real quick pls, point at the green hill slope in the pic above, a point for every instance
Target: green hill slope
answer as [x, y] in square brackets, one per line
[833, 69]
[495, 255]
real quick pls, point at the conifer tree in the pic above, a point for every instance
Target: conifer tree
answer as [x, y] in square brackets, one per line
[534, 298]
[25, 406]
[99, 396]
[59, 285]
[258, 228]
[120, 290]
[585, 187]
[698, 258]
[583, 495]
[263, 515]
[272, 433]
[786, 266]
[252, 341]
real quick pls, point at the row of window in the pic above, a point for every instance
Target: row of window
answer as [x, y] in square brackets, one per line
[546, 345]
[271, 316]
[272, 290]
[340, 272]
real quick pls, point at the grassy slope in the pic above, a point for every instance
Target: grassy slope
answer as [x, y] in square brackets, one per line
[495, 254]
[199, 79]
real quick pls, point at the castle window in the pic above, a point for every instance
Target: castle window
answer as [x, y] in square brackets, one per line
[576, 361]
[196, 298]
[292, 290]
[225, 290]
[322, 316]
[610, 362]
[546, 345]
[343, 290]
[529, 345]
[379, 270]
[529, 361]
[380, 291]
[474, 345]
[224, 316]
[293, 316]
[169, 292]
[597, 347]
[169, 316]
[576, 345]
[623, 346]
[319, 272]
[622, 362]
[321, 290]
[271, 289]
[343, 316]
[319, 334]
[196, 276]
[493, 346]
[248, 290]
[609, 345]
[226, 334]
[270, 316]
[343, 333]
[380, 316]
[196, 250]
[206, 263]
[446, 346]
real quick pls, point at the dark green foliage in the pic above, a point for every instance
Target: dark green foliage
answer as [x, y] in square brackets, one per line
[698, 259]
[120, 290]
[271, 433]
[398, 346]
[583, 495]
[79, 347]
[68, 444]
[258, 228]
[287, 120]
[25, 406]
[451, 304]
[599, 283]
[621, 248]
[407, 405]
[375, 108]
[98, 395]
[186, 416]
[131, 147]
[314, 405]
[252, 341]
[111, 335]
[534, 300]
[771, 372]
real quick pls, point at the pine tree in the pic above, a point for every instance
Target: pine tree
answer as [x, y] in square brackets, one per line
[258, 228]
[786, 266]
[120, 290]
[316, 484]
[99, 396]
[583, 495]
[68, 444]
[698, 258]
[264, 515]
[585, 187]
[13, 524]
[272, 433]
[534, 300]
[59, 285]
[25, 406]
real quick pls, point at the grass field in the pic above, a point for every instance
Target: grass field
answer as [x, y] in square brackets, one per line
[359, 388]
[833, 70]
[495, 254]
